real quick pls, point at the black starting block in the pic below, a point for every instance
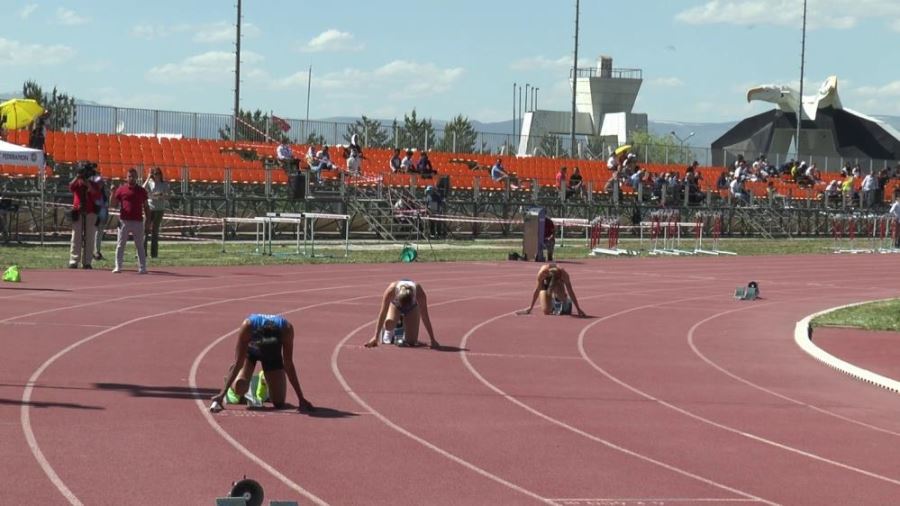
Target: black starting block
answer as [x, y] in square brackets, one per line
[247, 492]
[750, 292]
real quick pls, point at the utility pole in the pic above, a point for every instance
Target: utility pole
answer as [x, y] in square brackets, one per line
[802, 65]
[574, 79]
[237, 74]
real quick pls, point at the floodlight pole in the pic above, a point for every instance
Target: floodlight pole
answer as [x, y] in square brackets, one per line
[802, 65]
[237, 74]
[574, 79]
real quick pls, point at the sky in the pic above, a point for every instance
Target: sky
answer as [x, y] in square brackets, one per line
[446, 58]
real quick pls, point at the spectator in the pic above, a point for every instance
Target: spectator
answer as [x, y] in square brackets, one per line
[895, 212]
[85, 194]
[102, 215]
[322, 161]
[612, 163]
[354, 155]
[407, 164]
[722, 181]
[131, 198]
[284, 155]
[561, 177]
[883, 179]
[424, 167]
[738, 192]
[499, 174]
[549, 238]
[3, 127]
[576, 182]
[434, 202]
[833, 189]
[158, 196]
[39, 131]
[395, 162]
[847, 188]
[869, 190]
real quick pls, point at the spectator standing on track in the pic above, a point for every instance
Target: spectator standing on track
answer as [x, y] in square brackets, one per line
[85, 194]
[549, 238]
[158, 195]
[404, 303]
[554, 289]
[131, 199]
[269, 340]
[102, 215]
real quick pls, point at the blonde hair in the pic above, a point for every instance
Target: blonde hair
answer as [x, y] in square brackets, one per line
[554, 276]
[404, 295]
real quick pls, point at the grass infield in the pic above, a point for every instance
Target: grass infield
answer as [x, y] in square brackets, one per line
[873, 316]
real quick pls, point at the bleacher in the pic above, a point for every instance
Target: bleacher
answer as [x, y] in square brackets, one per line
[208, 161]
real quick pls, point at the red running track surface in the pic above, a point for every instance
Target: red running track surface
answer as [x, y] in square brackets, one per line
[671, 393]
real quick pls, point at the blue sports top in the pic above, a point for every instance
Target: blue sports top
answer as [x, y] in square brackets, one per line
[257, 322]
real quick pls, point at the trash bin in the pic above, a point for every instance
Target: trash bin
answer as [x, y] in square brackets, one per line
[533, 234]
[297, 184]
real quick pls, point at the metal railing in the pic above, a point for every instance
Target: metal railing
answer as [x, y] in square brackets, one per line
[124, 120]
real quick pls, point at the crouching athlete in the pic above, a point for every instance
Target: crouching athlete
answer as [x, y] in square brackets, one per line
[269, 340]
[554, 289]
[403, 301]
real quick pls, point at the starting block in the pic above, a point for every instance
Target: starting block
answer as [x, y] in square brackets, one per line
[750, 292]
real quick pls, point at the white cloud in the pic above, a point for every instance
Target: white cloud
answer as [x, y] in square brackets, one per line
[69, 17]
[886, 91]
[27, 10]
[542, 63]
[399, 80]
[836, 14]
[222, 32]
[13, 52]
[211, 66]
[332, 41]
[666, 82]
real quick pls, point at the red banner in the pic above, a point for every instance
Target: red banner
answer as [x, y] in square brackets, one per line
[280, 123]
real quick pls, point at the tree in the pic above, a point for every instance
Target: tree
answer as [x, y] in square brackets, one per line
[415, 134]
[553, 146]
[371, 133]
[61, 105]
[314, 138]
[252, 127]
[660, 148]
[459, 136]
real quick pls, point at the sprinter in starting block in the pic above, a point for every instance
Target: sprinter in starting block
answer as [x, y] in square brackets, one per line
[554, 289]
[404, 301]
[269, 340]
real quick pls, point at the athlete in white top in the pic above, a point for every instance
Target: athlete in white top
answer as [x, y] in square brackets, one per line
[403, 300]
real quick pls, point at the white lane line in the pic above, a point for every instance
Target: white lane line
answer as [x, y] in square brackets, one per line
[25, 418]
[644, 501]
[800, 338]
[708, 421]
[383, 419]
[587, 435]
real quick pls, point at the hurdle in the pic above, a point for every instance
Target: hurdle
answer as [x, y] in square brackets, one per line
[306, 228]
[889, 233]
[716, 234]
[613, 227]
[666, 225]
[850, 224]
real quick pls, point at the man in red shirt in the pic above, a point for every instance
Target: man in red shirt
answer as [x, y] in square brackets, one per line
[131, 198]
[85, 195]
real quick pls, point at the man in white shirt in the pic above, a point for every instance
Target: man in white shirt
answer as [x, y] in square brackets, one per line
[869, 189]
[284, 155]
[895, 212]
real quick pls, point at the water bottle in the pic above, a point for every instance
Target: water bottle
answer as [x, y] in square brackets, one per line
[399, 334]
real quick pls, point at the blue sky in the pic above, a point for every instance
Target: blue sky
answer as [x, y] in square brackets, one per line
[443, 58]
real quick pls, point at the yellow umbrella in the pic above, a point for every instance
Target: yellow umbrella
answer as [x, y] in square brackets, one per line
[20, 112]
[623, 149]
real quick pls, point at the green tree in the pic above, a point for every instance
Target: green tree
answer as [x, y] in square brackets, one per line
[252, 126]
[660, 149]
[553, 146]
[371, 133]
[415, 133]
[315, 138]
[61, 105]
[459, 136]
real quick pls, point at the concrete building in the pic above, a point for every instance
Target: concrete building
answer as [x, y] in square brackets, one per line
[603, 102]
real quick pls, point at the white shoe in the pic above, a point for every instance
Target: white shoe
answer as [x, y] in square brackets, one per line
[142, 271]
[116, 270]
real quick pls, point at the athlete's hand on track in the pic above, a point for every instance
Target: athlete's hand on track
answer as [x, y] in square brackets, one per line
[523, 312]
[372, 342]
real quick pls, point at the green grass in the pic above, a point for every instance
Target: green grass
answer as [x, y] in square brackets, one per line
[55, 255]
[872, 316]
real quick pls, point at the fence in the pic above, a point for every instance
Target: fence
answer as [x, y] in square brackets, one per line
[121, 120]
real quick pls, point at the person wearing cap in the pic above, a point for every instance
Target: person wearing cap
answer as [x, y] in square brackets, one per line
[269, 340]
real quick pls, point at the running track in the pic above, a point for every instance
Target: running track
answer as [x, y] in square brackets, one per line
[672, 393]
